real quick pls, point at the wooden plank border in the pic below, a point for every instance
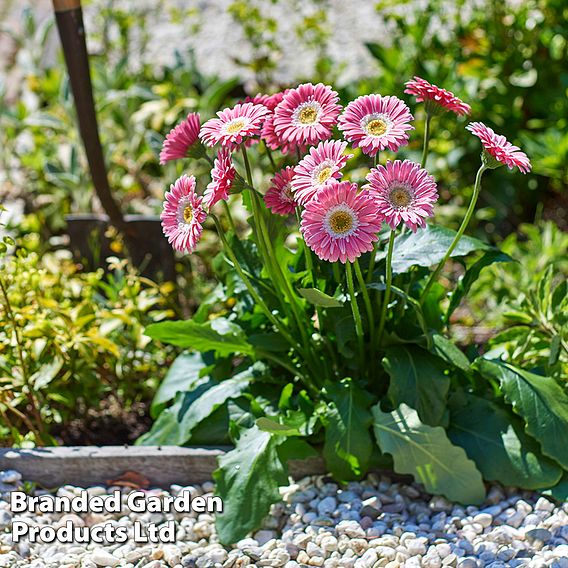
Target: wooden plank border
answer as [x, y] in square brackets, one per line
[85, 466]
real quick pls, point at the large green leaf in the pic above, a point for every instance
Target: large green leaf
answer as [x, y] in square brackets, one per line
[539, 400]
[471, 275]
[495, 440]
[348, 443]
[183, 375]
[417, 379]
[175, 424]
[427, 454]
[220, 335]
[247, 480]
[428, 246]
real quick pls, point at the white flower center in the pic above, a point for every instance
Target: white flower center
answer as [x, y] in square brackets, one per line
[306, 114]
[401, 195]
[235, 125]
[185, 214]
[376, 124]
[322, 172]
[341, 221]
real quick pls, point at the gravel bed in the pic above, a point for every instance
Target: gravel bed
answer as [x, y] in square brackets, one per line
[369, 524]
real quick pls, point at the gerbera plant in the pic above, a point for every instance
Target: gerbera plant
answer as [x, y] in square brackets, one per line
[328, 332]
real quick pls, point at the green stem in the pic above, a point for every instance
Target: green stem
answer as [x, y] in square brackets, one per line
[255, 296]
[367, 302]
[269, 154]
[459, 234]
[371, 268]
[356, 313]
[386, 297]
[336, 273]
[426, 140]
[229, 217]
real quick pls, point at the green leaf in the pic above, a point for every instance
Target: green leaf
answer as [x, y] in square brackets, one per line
[559, 491]
[296, 449]
[417, 379]
[427, 453]
[220, 335]
[471, 275]
[46, 373]
[539, 400]
[247, 480]
[319, 298]
[268, 425]
[447, 350]
[348, 443]
[183, 375]
[497, 443]
[175, 424]
[428, 246]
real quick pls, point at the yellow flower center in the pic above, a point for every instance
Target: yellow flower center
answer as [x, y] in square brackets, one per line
[341, 222]
[188, 214]
[234, 126]
[400, 197]
[287, 192]
[324, 175]
[308, 115]
[377, 127]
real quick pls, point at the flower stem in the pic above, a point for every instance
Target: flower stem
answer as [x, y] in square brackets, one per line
[371, 268]
[270, 157]
[426, 140]
[367, 302]
[355, 310]
[459, 234]
[386, 297]
[256, 297]
[229, 217]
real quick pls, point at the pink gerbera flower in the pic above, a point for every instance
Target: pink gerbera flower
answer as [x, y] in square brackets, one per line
[180, 139]
[307, 114]
[222, 176]
[319, 167]
[183, 215]
[234, 125]
[340, 223]
[279, 197]
[497, 150]
[374, 122]
[435, 97]
[405, 192]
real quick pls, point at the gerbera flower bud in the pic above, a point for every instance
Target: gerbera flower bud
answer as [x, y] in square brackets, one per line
[340, 223]
[307, 114]
[279, 197]
[181, 139]
[405, 192]
[183, 215]
[321, 166]
[435, 98]
[373, 123]
[234, 125]
[497, 150]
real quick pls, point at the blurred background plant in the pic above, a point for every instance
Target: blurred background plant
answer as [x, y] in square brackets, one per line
[73, 357]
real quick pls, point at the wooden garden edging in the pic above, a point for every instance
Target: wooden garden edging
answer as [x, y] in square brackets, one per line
[84, 466]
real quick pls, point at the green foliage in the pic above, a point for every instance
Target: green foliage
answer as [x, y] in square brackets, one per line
[428, 454]
[539, 400]
[496, 442]
[248, 479]
[72, 339]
